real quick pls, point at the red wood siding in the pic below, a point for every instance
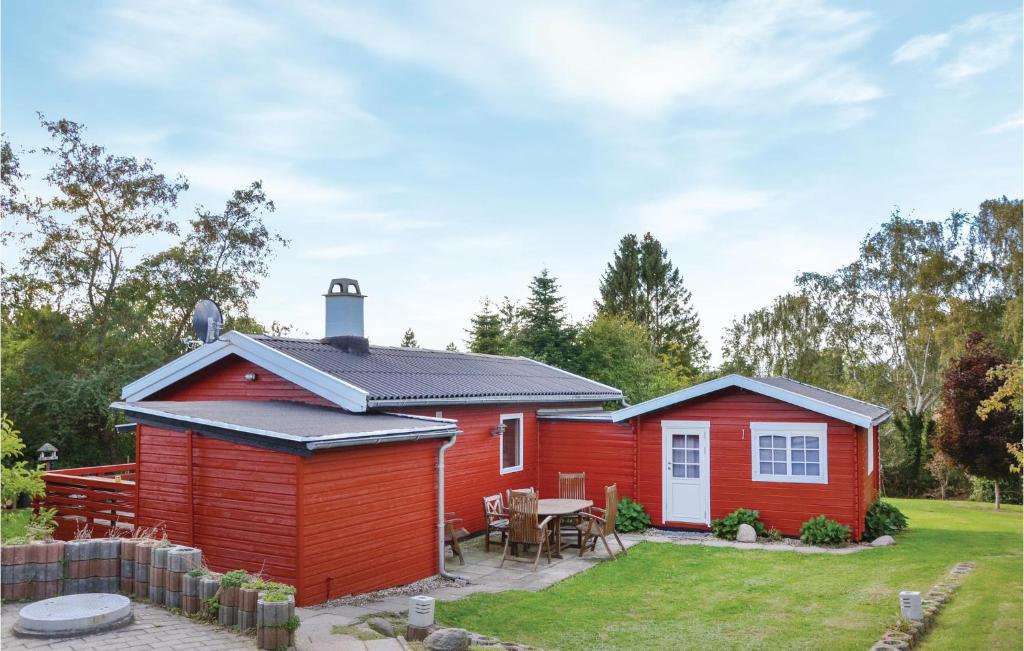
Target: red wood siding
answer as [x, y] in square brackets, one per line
[369, 519]
[785, 506]
[235, 502]
[225, 380]
[605, 451]
[472, 466]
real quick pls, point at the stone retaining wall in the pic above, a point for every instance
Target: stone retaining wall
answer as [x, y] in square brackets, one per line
[909, 635]
[149, 570]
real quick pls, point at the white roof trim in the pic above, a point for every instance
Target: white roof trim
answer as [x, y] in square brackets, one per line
[749, 384]
[339, 392]
[136, 409]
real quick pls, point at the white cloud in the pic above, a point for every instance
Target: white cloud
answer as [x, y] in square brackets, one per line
[924, 46]
[1013, 123]
[675, 58]
[694, 211]
[982, 43]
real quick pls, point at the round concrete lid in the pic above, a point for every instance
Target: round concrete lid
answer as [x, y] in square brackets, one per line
[74, 615]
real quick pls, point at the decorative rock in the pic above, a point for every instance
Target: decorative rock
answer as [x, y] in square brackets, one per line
[447, 639]
[382, 626]
[883, 541]
[746, 534]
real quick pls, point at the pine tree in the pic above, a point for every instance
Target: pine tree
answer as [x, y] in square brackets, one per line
[451, 347]
[486, 334]
[644, 286]
[547, 335]
[409, 339]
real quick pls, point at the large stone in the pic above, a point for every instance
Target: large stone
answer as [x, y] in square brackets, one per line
[883, 541]
[382, 626]
[447, 639]
[746, 534]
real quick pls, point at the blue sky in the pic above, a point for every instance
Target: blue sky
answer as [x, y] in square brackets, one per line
[443, 152]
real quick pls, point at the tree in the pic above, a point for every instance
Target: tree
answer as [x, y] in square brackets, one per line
[546, 334]
[644, 286]
[82, 315]
[616, 352]
[409, 339]
[486, 334]
[16, 476]
[451, 347]
[978, 444]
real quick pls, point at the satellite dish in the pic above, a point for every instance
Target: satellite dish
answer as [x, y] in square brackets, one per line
[207, 321]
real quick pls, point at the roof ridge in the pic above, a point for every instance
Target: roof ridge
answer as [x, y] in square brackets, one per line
[835, 393]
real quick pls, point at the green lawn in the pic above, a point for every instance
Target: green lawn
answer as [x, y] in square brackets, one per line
[663, 596]
[12, 523]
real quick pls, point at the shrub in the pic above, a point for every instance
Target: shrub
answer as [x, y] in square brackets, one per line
[823, 531]
[16, 477]
[773, 534]
[234, 579]
[632, 516]
[983, 490]
[883, 519]
[727, 527]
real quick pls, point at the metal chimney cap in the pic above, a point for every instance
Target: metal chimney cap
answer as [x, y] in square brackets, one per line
[344, 287]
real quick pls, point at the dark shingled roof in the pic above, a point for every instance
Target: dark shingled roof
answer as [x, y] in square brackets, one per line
[290, 423]
[393, 376]
[828, 397]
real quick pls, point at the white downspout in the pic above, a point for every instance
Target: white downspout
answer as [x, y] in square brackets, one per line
[440, 511]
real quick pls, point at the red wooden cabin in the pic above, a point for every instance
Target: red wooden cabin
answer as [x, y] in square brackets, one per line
[322, 462]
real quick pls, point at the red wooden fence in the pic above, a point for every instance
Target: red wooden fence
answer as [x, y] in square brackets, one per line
[99, 498]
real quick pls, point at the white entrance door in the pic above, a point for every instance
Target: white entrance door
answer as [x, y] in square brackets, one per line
[687, 489]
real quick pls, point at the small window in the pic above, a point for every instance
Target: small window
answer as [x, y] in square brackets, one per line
[512, 443]
[790, 452]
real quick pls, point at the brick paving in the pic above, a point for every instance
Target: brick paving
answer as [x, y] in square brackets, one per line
[153, 628]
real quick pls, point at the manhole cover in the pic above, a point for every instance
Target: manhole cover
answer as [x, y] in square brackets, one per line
[74, 615]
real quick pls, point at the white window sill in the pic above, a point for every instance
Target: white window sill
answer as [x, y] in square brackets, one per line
[508, 471]
[791, 479]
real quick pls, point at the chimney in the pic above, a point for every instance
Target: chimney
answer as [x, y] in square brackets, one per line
[344, 316]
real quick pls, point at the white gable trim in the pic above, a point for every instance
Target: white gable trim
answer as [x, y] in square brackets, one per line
[341, 393]
[749, 384]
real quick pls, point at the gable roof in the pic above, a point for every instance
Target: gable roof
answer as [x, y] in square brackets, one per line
[386, 376]
[286, 426]
[828, 403]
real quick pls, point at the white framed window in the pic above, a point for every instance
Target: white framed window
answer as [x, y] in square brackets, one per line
[789, 452]
[511, 443]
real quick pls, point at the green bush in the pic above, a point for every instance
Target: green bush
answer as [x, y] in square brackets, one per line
[883, 519]
[17, 477]
[983, 490]
[632, 516]
[234, 579]
[727, 527]
[823, 531]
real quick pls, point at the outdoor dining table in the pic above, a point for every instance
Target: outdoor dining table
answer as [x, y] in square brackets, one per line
[559, 507]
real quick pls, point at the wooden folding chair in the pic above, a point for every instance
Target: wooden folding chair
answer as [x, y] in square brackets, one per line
[526, 528]
[452, 535]
[602, 523]
[496, 519]
[572, 486]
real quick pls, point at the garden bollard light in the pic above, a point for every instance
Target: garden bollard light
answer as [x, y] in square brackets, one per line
[910, 605]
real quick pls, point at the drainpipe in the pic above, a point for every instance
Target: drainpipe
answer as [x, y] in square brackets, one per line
[440, 511]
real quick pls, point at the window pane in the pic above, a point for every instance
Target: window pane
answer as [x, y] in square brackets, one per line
[510, 443]
[678, 456]
[692, 441]
[678, 441]
[693, 456]
[812, 455]
[779, 442]
[798, 468]
[797, 442]
[812, 442]
[678, 470]
[766, 468]
[813, 469]
[765, 441]
[692, 470]
[780, 468]
[798, 455]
